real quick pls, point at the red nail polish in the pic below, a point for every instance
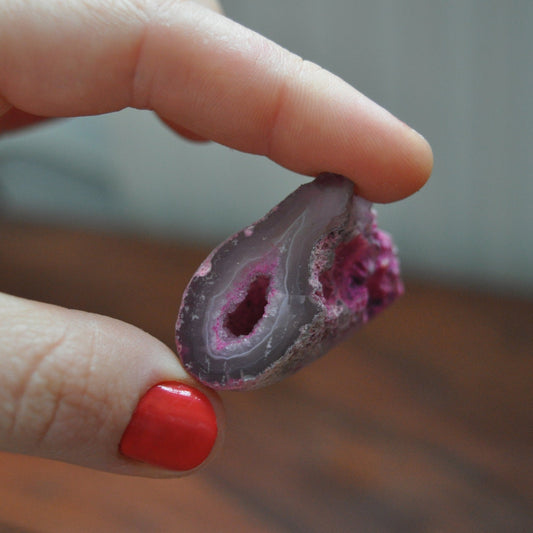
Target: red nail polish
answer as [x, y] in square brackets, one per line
[174, 426]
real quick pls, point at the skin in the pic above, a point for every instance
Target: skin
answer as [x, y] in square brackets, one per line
[71, 380]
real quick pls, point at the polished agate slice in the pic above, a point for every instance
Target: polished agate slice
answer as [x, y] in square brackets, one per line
[280, 293]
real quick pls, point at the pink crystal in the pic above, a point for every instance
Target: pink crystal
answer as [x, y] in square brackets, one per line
[280, 293]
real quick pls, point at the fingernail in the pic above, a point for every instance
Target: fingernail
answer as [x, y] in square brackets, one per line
[174, 426]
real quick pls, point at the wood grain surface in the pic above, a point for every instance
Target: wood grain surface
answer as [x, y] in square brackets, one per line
[421, 422]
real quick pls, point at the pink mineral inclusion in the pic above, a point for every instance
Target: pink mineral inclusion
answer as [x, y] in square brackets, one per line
[364, 276]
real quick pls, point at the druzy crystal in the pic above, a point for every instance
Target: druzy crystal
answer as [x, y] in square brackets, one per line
[281, 292]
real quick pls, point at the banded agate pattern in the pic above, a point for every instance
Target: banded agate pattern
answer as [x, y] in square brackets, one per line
[281, 292]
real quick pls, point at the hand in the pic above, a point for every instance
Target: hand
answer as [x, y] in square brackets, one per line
[71, 381]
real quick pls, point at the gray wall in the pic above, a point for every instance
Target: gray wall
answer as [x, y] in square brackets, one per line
[461, 72]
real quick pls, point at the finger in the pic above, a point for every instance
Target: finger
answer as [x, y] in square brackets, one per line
[4, 107]
[211, 76]
[94, 391]
[14, 119]
[211, 4]
[180, 130]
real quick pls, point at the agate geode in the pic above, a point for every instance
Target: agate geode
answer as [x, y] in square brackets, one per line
[281, 292]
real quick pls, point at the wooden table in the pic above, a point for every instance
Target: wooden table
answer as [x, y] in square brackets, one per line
[422, 422]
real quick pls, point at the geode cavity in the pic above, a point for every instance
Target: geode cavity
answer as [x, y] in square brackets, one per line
[280, 293]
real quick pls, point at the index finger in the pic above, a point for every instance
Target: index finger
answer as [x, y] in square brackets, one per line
[210, 76]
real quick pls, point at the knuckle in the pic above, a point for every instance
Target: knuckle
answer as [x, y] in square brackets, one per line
[50, 389]
[286, 101]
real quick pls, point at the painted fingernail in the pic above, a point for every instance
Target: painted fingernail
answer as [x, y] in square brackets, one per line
[174, 426]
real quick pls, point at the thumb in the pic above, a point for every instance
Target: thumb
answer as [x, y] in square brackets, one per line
[97, 392]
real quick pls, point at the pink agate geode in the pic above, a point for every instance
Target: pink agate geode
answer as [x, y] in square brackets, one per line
[280, 293]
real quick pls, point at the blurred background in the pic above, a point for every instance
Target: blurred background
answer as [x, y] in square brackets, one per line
[460, 72]
[421, 422]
